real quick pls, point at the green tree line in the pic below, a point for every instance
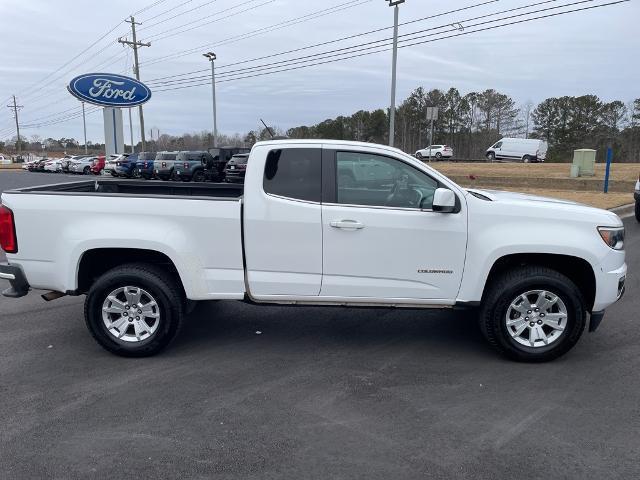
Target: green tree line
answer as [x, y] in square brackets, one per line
[472, 122]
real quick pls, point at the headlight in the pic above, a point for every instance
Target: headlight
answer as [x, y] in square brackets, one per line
[613, 237]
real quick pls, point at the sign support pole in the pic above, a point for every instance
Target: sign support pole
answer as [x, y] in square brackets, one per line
[84, 127]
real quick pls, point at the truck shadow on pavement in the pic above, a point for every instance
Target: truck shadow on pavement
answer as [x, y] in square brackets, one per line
[291, 328]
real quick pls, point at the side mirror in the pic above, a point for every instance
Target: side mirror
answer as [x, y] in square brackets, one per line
[444, 200]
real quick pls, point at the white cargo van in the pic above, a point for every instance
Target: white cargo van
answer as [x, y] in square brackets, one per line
[519, 149]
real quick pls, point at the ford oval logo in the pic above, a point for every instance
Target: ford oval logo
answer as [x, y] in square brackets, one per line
[109, 90]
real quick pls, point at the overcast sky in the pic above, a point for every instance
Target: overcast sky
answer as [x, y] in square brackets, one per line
[593, 51]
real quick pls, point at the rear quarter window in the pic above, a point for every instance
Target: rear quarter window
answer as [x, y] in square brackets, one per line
[294, 173]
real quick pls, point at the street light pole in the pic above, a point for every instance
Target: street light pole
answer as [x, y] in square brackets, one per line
[212, 57]
[394, 63]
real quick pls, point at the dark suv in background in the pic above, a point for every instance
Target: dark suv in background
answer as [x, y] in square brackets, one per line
[236, 168]
[215, 167]
[189, 165]
[144, 165]
[126, 165]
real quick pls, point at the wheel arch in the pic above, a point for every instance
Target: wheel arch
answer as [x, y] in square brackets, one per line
[95, 262]
[577, 269]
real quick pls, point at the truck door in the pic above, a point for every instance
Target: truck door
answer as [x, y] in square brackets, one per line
[282, 221]
[381, 240]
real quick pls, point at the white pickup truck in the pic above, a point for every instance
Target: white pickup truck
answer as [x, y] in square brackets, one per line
[316, 223]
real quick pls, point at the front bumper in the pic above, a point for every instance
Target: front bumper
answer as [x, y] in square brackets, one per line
[14, 274]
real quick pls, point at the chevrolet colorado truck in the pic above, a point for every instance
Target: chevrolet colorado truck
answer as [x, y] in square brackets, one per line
[393, 233]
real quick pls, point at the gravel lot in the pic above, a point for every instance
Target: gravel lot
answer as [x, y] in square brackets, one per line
[318, 393]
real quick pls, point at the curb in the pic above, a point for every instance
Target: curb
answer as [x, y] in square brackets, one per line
[624, 211]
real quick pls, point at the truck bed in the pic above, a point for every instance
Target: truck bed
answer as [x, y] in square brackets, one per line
[138, 188]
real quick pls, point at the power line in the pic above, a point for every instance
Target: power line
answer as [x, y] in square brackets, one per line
[267, 29]
[177, 15]
[331, 41]
[372, 44]
[148, 7]
[384, 48]
[172, 32]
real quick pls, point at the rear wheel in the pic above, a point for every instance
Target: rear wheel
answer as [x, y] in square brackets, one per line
[137, 173]
[533, 314]
[199, 176]
[526, 159]
[419, 156]
[438, 155]
[134, 310]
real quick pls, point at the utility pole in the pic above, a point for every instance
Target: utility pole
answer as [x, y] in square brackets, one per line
[212, 58]
[394, 63]
[135, 44]
[15, 107]
[84, 128]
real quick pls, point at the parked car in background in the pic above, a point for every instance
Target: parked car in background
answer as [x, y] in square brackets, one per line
[54, 166]
[98, 165]
[66, 161]
[636, 195]
[163, 165]
[110, 165]
[126, 164]
[189, 165]
[518, 149]
[236, 168]
[215, 166]
[144, 165]
[81, 165]
[435, 151]
[28, 165]
[4, 160]
[38, 166]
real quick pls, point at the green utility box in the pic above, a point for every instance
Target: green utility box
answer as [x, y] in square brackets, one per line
[585, 160]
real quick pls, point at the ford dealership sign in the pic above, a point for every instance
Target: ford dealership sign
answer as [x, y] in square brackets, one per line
[109, 90]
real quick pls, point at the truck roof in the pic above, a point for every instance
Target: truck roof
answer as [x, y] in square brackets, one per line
[319, 141]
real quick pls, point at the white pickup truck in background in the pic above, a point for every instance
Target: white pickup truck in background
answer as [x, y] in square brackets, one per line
[316, 223]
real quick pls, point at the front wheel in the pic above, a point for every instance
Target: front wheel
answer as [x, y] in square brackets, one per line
[533, 314]
[491, 156]
[134, 310]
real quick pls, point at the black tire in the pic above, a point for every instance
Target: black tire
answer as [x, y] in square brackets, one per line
[174, 176]
[113, 173]
[438, 155]
[165, 291]
[419, 156]
[199, 176]
[137, 173]
[638, 210]
[509, 286]
[86, 170]
[526, 159]
[491, 156]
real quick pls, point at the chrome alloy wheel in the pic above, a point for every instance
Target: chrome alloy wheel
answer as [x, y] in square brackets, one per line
[130, 314]
[536, 318]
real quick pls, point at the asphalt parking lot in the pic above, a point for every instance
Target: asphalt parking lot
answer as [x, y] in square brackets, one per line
[306, 392]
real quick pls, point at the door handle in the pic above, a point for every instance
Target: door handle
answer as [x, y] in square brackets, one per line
[347, 224]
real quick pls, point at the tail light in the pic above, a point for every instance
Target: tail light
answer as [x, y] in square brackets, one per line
[8, 241]
[145, 164]
[242, 166]
[185, 165]
[164, 164]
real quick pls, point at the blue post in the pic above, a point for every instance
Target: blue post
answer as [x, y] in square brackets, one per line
[606, 174]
